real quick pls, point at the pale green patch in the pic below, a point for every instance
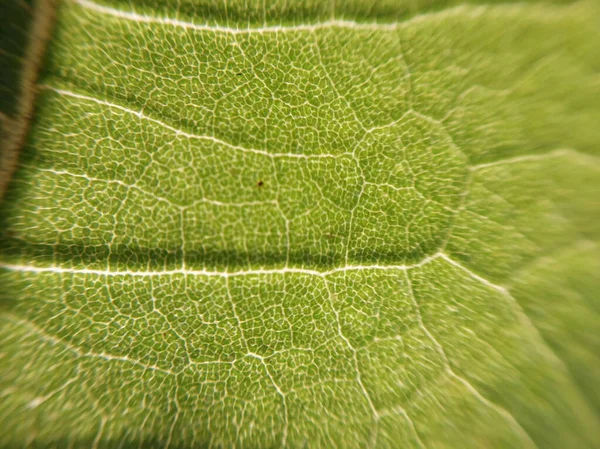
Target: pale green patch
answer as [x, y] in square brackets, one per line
[307, 225]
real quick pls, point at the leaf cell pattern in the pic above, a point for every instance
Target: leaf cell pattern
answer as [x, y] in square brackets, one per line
[304, 224]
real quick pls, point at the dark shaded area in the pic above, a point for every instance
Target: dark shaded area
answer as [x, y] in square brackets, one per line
[25, 28]
[16, 17]
[137, 258]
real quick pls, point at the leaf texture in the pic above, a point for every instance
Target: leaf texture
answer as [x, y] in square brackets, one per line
[307, 224]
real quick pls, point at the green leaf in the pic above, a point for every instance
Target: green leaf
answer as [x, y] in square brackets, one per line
[308, 225]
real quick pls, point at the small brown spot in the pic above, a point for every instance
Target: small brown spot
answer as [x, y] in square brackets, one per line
[260, 183]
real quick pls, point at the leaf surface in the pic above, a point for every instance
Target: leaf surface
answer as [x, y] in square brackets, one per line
[301, 224]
